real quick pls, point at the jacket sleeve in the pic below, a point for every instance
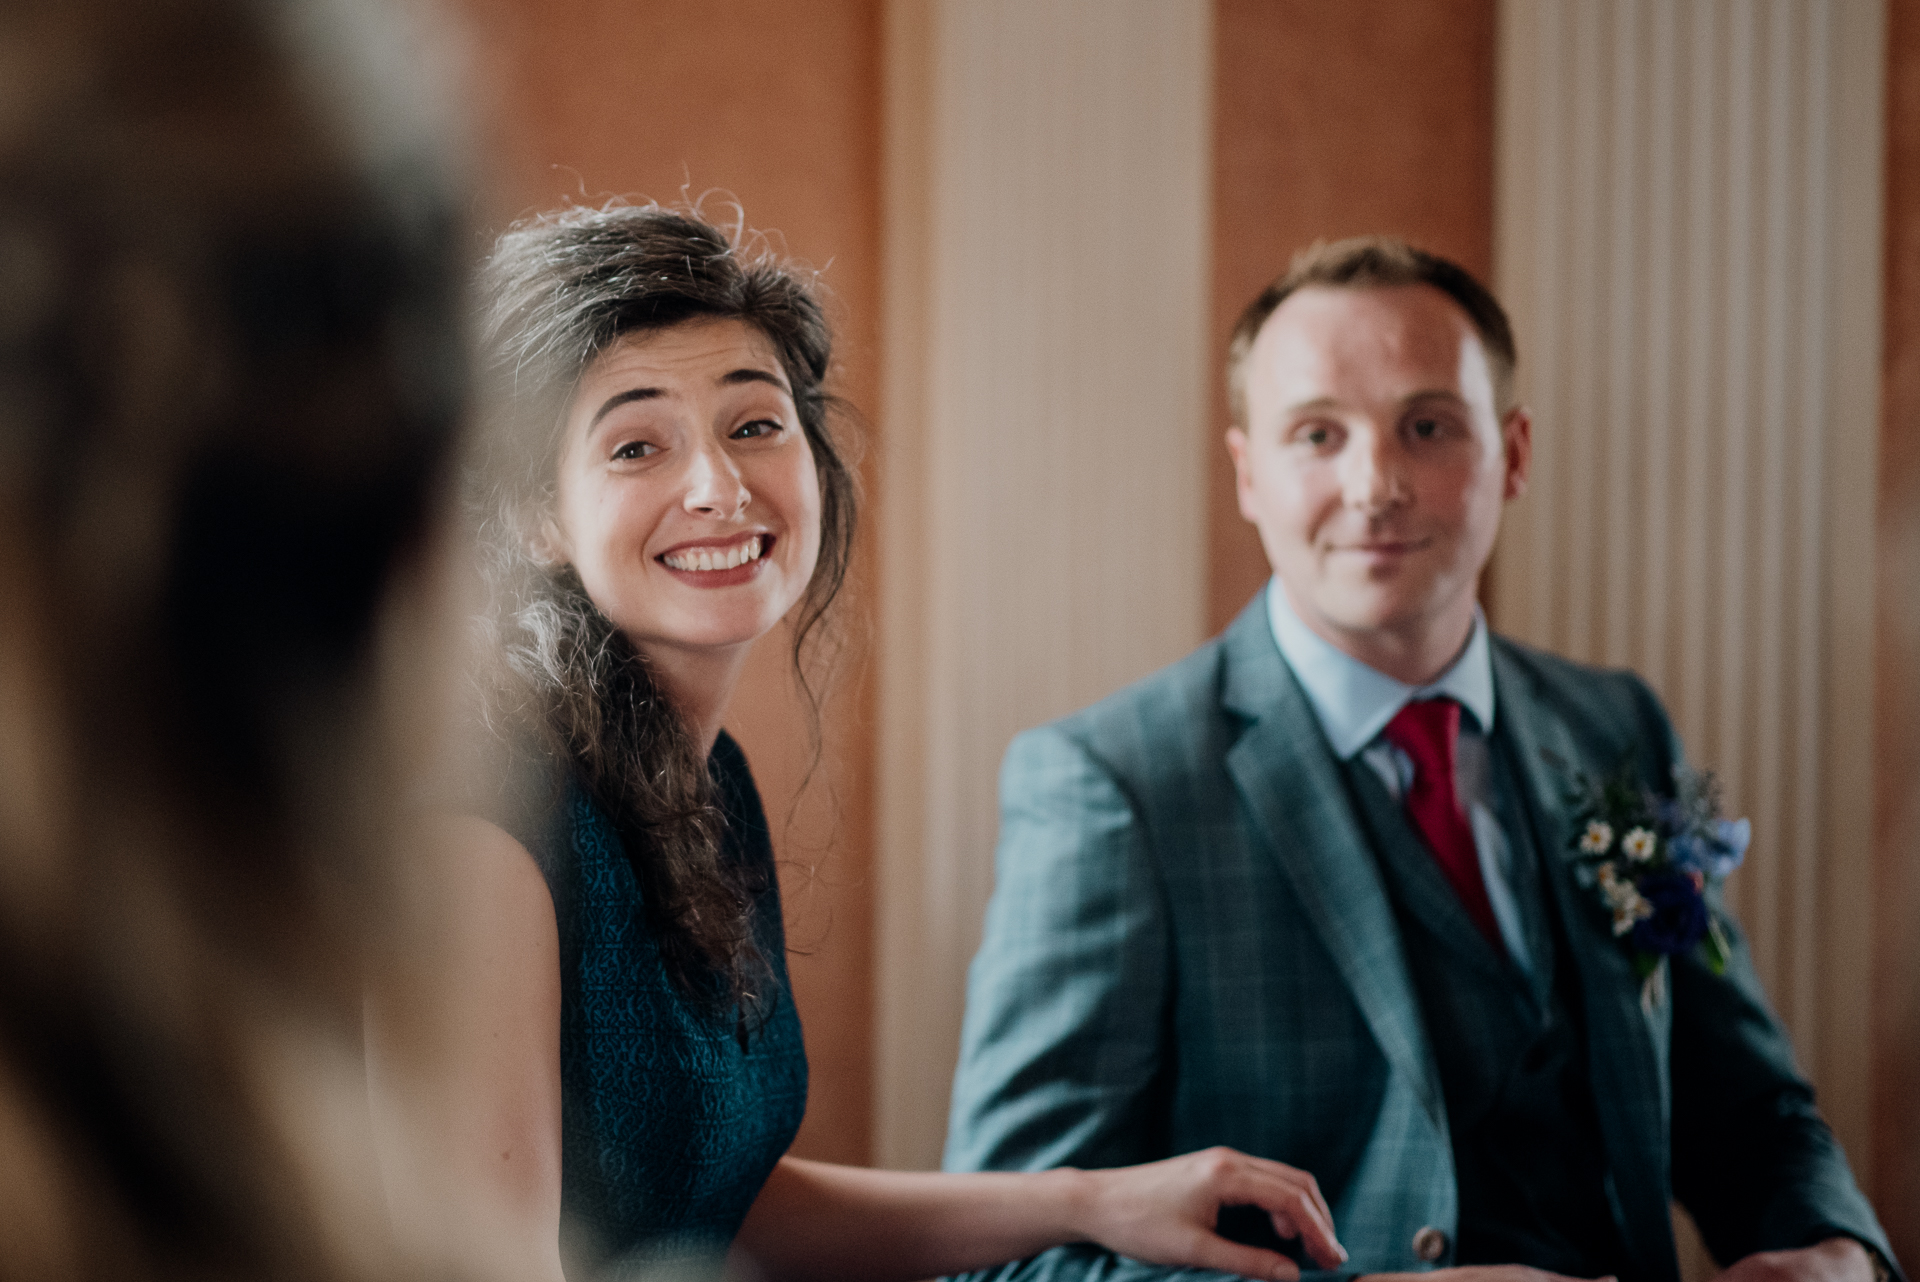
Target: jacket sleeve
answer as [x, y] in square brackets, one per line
[1087, 1263]
[1753, 1161]
[1061, 1050]
[1061, 1054]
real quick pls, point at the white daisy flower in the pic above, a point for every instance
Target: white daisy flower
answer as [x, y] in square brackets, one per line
[1640, 845]
[1616, 888]
[1629, 908]
[1597, 838]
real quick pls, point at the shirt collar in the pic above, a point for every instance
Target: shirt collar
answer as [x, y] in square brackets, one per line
[1354, 702]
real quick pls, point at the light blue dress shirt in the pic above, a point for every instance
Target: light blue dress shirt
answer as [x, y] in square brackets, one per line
[1354, 703]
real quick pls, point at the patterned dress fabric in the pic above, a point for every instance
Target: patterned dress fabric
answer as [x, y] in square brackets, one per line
[669, 1126]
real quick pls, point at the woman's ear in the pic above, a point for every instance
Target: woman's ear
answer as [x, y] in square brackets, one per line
[546, 544]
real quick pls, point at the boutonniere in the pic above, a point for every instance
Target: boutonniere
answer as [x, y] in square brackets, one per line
[1649, 860]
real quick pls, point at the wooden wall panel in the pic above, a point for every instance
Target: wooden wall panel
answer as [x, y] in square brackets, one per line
[1335, 120]
[777, 104]
[1046, 373]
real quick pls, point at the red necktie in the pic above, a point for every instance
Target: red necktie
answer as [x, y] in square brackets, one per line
[1428, 731]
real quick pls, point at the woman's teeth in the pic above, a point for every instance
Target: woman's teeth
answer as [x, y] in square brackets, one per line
[716, 558]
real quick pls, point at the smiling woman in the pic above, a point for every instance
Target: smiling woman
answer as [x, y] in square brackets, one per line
[689, 502]
[610, 1047]
[649, 381]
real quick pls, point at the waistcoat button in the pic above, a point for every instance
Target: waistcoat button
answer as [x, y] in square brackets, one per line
[1429, 1244]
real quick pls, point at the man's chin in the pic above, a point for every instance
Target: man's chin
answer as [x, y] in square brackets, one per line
[1396, 609]
[1370, 618]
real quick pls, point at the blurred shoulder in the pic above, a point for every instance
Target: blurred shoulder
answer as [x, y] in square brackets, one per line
[1562, 678]
[1614, 705]
[472, 861]
[1166, 725]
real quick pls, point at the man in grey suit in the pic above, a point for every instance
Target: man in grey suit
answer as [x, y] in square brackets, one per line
[1306, 892]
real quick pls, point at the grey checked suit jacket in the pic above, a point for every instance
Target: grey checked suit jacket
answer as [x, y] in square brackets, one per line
[1190, 944]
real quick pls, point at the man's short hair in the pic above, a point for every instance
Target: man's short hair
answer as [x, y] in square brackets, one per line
[1376, 262]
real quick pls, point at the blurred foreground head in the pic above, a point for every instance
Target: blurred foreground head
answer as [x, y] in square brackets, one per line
[229, 374]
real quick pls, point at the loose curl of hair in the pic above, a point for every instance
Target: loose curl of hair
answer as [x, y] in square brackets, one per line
[559, 290]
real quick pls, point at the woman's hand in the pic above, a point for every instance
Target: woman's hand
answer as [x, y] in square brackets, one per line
[814, 1221]
[1165, 1212]
[1480, 1273]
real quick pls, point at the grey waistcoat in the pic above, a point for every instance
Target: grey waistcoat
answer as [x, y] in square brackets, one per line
[1510, 1049]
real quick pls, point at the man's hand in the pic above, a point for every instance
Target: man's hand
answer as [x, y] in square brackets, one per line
[1164, 1212]
[1838, 1259]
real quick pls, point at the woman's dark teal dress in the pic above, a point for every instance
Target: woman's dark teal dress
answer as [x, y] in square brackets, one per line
[669, 1127]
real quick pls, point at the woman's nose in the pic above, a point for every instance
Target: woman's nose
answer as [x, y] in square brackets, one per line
[714, 485]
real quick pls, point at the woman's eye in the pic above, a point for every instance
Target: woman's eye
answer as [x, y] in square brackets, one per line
[636, 449]
[758, 428]
[1426, 428]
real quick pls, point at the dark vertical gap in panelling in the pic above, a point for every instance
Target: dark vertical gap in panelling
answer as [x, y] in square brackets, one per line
[1895, 1178]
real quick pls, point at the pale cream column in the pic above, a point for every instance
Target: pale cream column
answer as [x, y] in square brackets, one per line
[1043, 424]
[1688, 236]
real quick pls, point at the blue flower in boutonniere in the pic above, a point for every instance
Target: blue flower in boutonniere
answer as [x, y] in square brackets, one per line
[1653, 880]
[1714, 853]
[1678, 917]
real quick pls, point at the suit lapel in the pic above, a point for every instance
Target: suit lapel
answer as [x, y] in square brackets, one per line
[1292, 788]
[1626, 1044]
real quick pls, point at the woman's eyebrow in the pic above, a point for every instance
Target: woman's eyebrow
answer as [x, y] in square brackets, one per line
[732, 378]
[747, 374]
[621, 398]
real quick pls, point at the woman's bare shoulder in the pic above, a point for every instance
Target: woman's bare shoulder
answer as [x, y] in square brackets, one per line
[482, 908]
[475, 855]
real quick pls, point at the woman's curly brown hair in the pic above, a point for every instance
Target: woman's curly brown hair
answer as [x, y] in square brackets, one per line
[559, 290]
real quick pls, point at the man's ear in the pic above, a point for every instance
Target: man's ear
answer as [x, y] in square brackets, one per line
[1516, 439]
[1237, 447]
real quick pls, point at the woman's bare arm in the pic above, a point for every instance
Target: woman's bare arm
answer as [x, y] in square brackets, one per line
[814, 1220]
[463, 1044]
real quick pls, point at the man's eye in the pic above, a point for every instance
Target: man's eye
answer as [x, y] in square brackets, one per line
[636, 449]
[1426, 428]
[758, 428]
[1315, 437]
